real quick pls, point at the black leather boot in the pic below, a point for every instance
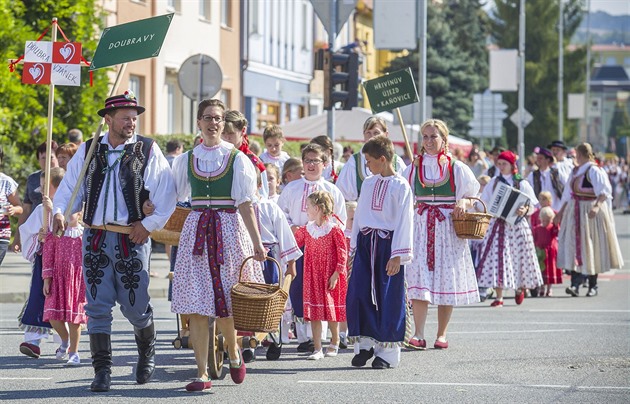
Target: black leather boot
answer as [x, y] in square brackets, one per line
[101, 348]
[145, 339]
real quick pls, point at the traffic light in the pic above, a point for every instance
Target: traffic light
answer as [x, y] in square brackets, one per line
[341, 80]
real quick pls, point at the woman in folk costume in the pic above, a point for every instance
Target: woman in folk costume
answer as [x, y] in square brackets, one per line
[508, 256]
[217, 236]
[442, 270]
[587, 228]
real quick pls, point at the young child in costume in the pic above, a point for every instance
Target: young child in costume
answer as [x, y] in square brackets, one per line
[64, 288]
[32, 235]
[508, 256]
[273, 176]
[292, 201]
[546, 242]
[274, 140]
[325, 283]
[382, 236]
[544, 199]
[291, 171]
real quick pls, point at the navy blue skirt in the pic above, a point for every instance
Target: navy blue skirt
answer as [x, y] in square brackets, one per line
[297, 288]
[387, 322]
[34, 310]
[270, 269]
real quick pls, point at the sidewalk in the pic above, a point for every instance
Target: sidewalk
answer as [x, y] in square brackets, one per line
[15, 277]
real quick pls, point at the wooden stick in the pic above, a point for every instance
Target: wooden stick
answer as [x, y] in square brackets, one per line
[404, 132]
[86, 163]
[49, 128]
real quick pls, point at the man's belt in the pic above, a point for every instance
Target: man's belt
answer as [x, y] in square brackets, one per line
[116, 228]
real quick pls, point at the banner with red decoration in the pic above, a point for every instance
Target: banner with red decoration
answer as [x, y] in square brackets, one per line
[55, 63]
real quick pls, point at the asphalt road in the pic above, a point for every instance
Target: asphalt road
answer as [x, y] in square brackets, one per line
[557, 349]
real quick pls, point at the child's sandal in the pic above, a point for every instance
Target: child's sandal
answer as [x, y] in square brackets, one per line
[332, 350]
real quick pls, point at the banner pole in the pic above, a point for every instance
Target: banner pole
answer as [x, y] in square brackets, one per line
[49, 129]
[88, 156]
[404, 132]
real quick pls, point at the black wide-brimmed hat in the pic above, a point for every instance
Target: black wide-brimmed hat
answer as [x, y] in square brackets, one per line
[557, 143]
[126, 100]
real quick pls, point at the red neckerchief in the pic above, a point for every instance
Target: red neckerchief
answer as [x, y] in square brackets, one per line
[450, 169]
[252, 156]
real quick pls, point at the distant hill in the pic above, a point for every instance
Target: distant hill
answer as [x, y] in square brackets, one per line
[605, 29]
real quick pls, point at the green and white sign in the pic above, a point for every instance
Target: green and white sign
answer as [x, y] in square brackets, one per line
[391, 91]
[135, 40]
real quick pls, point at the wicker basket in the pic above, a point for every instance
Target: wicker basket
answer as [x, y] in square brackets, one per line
[472, 225]
[257, 307]
[177, 219]
[166, 237]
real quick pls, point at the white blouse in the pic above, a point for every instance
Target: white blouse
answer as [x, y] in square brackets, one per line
[212, 159]
[277, 161]
[386, 203]
[292, 200]
[274, 229]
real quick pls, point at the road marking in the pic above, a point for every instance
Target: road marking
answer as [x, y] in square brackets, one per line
[577, 311]
[533, 323]
[549, 386]
[510, 331]
[25, 378]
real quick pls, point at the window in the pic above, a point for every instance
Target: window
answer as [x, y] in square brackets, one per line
[304, 25]
[135, 86]
[268, 113]
[253, 19]
[226, 96]
[174, 5]
[204, 9]
[226, 13]
[611, 61]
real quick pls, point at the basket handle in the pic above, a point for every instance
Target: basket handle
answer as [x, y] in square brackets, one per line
[268, 258]
[485, 208]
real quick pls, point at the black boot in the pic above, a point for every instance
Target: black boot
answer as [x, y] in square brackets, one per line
[101, 348]
[145, 339]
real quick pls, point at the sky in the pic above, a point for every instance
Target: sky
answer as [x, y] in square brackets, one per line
[613, 7]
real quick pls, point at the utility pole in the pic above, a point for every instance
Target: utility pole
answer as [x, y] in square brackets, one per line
[331, 47]
[422, 63]
[587, 93]
[521, 87]
[561, 70]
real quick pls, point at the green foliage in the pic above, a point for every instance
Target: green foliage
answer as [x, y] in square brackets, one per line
[24, 113]
[541, 66]
[457, 61]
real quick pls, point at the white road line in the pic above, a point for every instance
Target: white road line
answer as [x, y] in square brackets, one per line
[511, 331]
[576, 311]
[549, 386]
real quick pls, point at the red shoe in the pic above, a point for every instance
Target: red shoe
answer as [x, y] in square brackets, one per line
[199, 385]
[31, 350]
[238, 372]
[440, 345]
[415, 343]
[520, 297]
[497, 303]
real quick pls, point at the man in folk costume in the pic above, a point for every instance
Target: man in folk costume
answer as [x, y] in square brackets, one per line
[125, 170]
[548, 178]
[563, 163]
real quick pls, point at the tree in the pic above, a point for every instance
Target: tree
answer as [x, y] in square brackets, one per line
[455, 69]
[23, 115]
[541, 64]
[619, 130]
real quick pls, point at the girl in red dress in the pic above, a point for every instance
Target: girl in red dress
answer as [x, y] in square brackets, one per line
[325, 281]
[546, 242]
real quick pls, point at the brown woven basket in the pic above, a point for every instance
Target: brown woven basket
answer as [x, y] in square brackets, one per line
[166, 237]
[177, 219]
[472, 225]
[257, 307]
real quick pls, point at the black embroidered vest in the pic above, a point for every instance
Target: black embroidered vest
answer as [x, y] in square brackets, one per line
[557, 186]
[130, 177]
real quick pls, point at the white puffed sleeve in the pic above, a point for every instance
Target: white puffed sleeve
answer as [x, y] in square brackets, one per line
[180, 177]
[466, 183]
[600, 181]
[347, 181]
[244, 180]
